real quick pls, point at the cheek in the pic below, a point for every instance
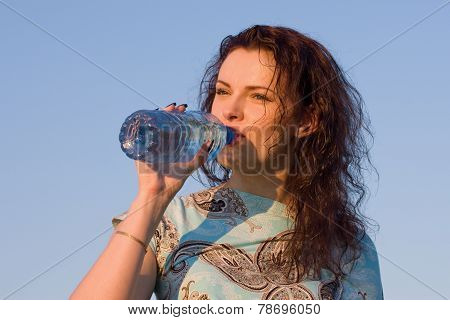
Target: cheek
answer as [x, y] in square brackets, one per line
[269, 142]
[214, 109]
[265, 135]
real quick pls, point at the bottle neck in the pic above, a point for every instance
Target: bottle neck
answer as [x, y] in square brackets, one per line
[230, 135]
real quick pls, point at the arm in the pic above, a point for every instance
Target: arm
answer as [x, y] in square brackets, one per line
[123, 270]
[146, 279]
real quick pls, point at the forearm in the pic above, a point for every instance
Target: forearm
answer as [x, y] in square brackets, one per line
[114, 273]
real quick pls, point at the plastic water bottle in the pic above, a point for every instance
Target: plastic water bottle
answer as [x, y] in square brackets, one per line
[157, 136]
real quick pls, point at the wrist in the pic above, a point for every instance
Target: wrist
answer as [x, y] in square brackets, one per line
[149, 207]
[157, 192]
[149, 195]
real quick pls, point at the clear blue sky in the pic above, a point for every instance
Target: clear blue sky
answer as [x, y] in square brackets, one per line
[63, 174]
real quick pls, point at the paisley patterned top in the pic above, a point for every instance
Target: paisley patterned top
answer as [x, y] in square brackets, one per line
[214, 244]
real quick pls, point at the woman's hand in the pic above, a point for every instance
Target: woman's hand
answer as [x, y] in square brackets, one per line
[157, 178]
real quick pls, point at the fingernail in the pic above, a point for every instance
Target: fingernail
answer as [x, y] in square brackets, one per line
[172, 104]
[184, 104]
[157, 109]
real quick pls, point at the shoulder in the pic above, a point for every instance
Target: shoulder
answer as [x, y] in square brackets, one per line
[368, 257]
[363, 277]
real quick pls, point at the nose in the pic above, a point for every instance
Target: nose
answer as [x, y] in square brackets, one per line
[231, 112]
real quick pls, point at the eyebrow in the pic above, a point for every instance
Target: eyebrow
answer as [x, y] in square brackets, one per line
[247, 87]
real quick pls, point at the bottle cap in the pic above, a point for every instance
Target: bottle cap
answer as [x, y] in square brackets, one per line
[230, 135]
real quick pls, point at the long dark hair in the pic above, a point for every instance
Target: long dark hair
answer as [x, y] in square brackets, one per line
[329, 190]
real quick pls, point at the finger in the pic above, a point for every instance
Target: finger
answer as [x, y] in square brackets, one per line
[202, 155]
[170, 107]
[199, 158]
[182, 107]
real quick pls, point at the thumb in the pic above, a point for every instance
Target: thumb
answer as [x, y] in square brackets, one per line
[201, 156]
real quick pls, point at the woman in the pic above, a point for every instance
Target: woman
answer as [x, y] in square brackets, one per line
[281, 218]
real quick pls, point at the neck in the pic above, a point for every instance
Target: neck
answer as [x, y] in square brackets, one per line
[271, 187]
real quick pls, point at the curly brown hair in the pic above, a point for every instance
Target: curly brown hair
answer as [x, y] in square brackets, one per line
[328, 193]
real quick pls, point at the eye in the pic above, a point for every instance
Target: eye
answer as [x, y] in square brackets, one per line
[262, 97]
[258, 96]
[219, 91]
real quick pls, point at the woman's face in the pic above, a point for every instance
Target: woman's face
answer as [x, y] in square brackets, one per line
[241, 102]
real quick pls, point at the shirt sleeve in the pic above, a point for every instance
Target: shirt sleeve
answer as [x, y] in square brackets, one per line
[363, 282]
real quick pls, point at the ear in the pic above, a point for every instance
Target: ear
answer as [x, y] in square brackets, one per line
[310, 122]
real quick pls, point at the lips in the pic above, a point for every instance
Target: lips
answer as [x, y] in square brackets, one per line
[237, 131]
[238, 137]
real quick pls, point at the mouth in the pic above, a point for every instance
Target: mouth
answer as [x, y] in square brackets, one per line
[237, 138]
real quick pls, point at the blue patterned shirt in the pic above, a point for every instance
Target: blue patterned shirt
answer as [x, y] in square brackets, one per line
[214, 244]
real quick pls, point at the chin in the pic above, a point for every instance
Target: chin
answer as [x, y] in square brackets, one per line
[226, 160]
[235, 162]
